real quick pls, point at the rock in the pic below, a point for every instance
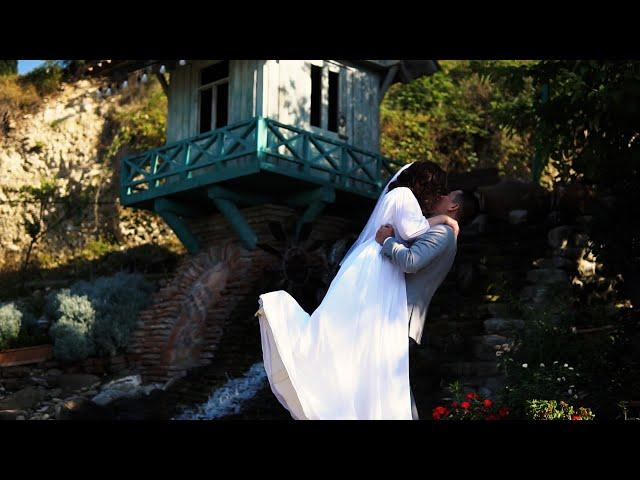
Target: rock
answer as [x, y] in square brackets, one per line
[559, 237]
[498, 309]
[66, 409]
[11, 414]
[517, 217]
[503, 325]
[485, 392]
[126, 387]
[534, 293]
[586, 268]
[54, 393]
[486, 346]
[76, 381]
[23, 399]
[495, 384]
[547, 275]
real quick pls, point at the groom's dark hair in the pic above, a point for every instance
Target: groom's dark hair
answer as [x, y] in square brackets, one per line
[469, 207]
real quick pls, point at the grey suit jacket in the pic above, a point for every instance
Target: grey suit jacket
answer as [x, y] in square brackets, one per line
[426, 262]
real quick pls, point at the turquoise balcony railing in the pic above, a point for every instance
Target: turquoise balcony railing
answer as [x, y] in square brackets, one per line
[248, 148]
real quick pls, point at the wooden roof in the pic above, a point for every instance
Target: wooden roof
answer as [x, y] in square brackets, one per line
[402, 70]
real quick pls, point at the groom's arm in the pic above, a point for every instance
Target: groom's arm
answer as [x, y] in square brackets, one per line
[422, 251]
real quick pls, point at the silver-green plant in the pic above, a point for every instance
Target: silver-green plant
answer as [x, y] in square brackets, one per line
[10, 322]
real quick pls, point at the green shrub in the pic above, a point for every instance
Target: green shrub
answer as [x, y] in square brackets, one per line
[72, 340]
[117, 300]
[46, 78]
[553, 410]
[74, 319]
[8, 67]
[10, 321]
[96, 318]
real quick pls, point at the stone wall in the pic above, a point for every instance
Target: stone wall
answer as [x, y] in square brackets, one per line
[63, 141]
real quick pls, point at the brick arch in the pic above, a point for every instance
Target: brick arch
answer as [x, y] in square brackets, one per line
[185, 323]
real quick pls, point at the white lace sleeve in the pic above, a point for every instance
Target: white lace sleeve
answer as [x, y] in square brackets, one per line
[408, 220]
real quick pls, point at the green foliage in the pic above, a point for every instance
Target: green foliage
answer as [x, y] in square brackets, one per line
[553, 410]
[589, 131]
[454, 118]
[10, 322]
[96, 318]
[139, 123]
[8, 67]
[46, 78]
[116, 300]
[74, 319]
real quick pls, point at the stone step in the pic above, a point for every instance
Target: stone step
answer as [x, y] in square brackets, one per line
[486, 347]
[555, 262]
[447, 327]
[470, 369]
[503, 325]
[547, 276]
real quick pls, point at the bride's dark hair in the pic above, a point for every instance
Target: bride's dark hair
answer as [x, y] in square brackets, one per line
[426, 180]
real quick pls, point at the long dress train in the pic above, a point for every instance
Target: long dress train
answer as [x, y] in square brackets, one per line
[349, 359]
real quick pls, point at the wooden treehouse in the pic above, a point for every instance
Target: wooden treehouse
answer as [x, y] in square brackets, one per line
[249, 142]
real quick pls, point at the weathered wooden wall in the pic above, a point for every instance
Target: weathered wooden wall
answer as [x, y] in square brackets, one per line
[281, 90]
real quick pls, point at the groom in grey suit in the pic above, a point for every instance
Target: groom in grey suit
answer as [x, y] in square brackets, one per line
[428, 259]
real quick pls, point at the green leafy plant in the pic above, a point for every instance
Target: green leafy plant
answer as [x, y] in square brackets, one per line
[10, 322]
[453, 118]
[71, 332]
[97, 317]
[554, 410]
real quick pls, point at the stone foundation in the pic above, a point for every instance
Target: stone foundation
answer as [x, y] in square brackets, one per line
[183, 327]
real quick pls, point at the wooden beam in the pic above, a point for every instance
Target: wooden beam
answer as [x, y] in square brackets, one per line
[310, 214]
[242, 198]
[303, 199]
[239, 224]
[182, 231]
[164, 83]
[388, 79]
[178, 208]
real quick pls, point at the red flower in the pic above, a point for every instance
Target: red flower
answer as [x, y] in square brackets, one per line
[487, 403]
[465, 405]
[454, 404]
[503, 412]
[472, 395]
[435, 415]
[576, 417]
[441, 410]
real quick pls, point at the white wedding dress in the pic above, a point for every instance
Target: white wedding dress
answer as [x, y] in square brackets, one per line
[349, 359]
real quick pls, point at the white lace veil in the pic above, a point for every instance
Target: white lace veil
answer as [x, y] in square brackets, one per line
[371, 227]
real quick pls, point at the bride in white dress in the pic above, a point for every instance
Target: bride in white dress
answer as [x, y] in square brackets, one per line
[349, 359]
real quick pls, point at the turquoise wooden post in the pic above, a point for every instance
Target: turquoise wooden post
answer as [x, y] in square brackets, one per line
[261, 139]
[234, 216]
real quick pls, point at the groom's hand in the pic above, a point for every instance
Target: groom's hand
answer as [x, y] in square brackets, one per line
[383, 233]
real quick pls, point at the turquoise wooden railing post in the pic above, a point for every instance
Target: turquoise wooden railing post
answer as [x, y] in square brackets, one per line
[187, 159]
[261, 139]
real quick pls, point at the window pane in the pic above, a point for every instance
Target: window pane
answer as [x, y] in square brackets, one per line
[316, 95]
[222, 104]
[206, 99]
[214, 72]
[332, 123]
